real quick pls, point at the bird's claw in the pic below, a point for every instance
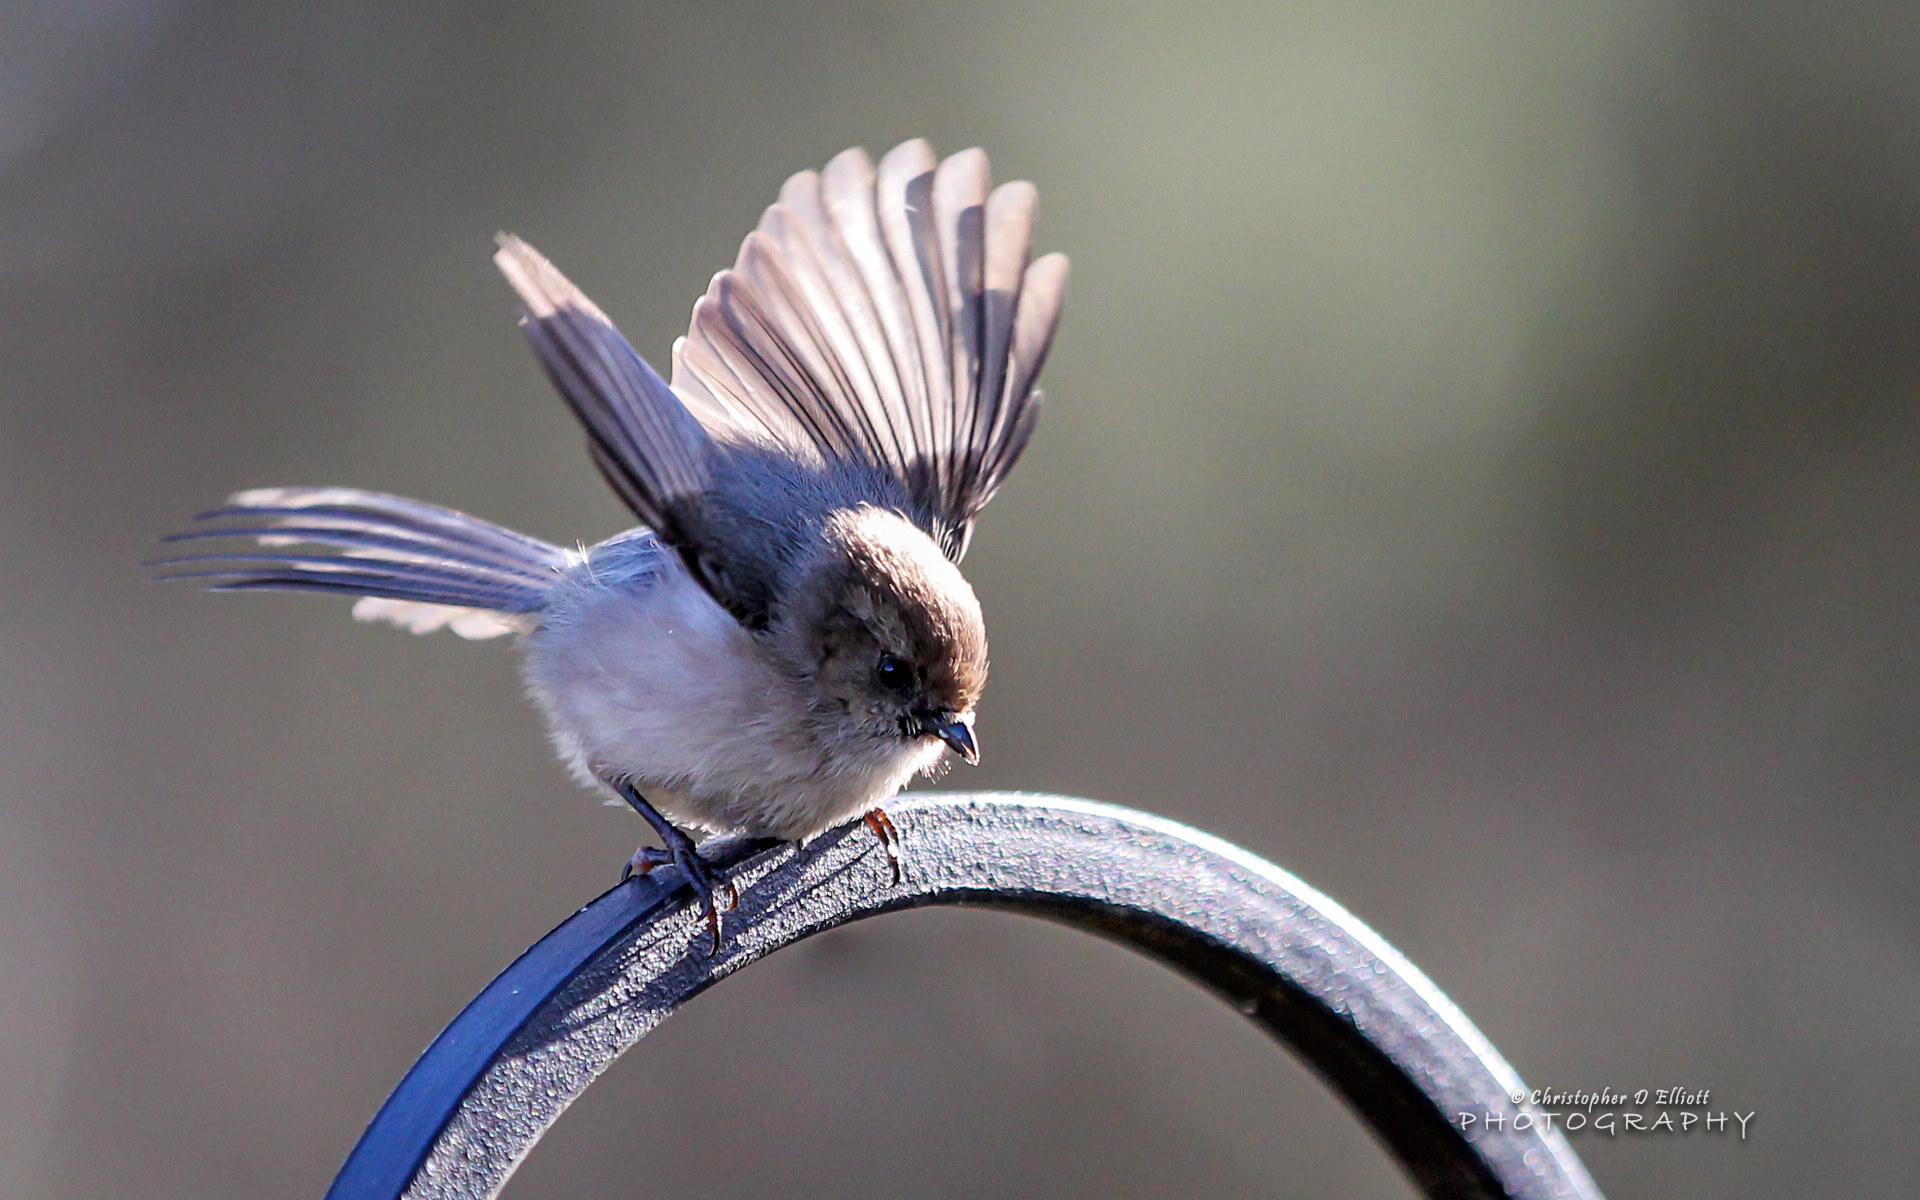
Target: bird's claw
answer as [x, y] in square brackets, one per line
[888, 835]
[717, 894]
[644, 860]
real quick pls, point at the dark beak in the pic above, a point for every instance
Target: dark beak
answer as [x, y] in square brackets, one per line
[957, 734]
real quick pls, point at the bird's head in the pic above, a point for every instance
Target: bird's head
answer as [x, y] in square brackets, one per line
[888, 632]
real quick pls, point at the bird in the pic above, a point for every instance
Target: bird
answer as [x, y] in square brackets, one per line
[785, 639]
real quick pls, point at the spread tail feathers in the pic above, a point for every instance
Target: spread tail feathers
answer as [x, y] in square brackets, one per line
[416, 565]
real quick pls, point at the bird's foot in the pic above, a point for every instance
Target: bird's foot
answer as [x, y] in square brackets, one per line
[888, 835]
[679, 851]
[716, 893]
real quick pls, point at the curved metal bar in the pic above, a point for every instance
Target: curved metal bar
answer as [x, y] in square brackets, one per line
[1293, 961]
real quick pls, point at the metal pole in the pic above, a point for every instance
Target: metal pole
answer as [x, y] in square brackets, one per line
[1297, 964]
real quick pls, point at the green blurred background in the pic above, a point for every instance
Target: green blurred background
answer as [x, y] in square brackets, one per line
[1479, 475]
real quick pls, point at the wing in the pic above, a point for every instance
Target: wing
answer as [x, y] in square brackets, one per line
[887, 318]
[648, 446]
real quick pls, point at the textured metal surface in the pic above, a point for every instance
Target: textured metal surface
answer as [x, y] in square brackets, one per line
[1290, 959]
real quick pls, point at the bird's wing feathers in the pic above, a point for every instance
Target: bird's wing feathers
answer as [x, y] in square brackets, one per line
[652, 450]
[649, 446]
[885, 320]
[885, 316]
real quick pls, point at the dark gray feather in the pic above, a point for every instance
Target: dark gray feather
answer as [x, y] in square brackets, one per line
[889, 318]
[654, 452]
[651, 448]
[387, 546]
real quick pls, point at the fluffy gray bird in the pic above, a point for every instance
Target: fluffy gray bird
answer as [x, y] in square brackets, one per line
[785, 640]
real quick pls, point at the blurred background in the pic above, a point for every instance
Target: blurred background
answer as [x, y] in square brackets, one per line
[1479, 475]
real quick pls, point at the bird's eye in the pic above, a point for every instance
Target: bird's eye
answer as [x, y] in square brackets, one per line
[893, 673]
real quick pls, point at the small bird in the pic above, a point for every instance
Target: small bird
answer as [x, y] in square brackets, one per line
[786, 638]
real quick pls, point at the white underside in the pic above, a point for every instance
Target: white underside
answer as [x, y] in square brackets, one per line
[657, 684]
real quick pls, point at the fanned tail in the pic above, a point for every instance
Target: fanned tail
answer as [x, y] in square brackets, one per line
[415, 565]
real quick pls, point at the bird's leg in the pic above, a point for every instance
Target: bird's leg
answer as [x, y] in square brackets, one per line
[681, 852]
[887, 835]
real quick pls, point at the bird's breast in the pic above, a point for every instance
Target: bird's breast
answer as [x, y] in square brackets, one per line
[643, 677]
